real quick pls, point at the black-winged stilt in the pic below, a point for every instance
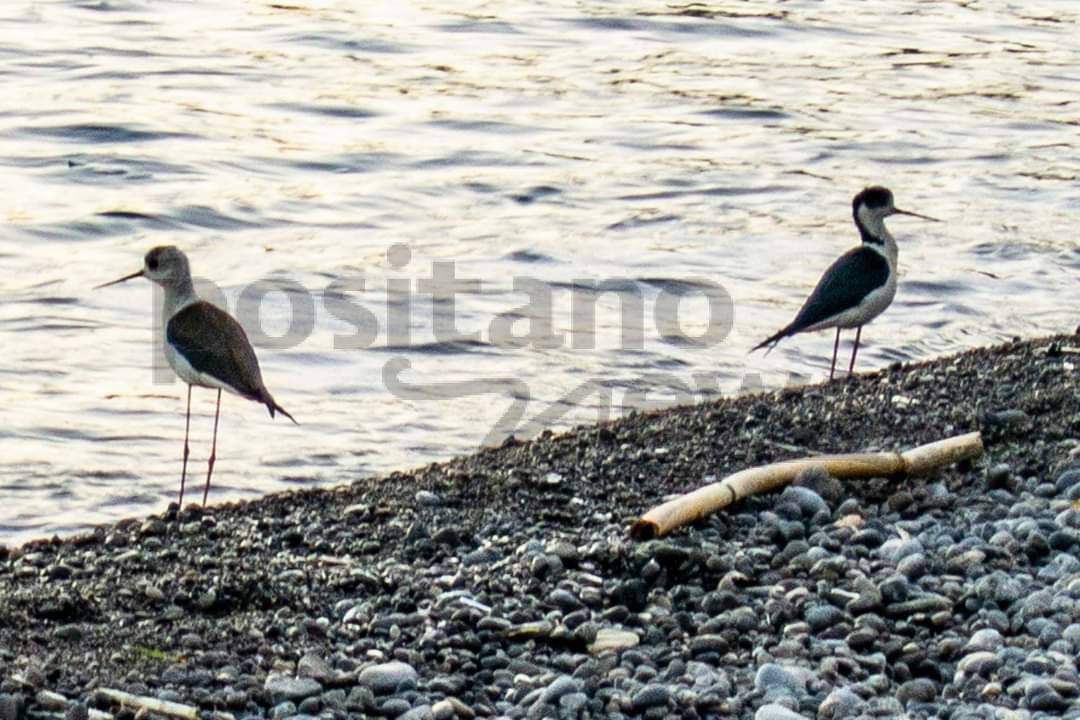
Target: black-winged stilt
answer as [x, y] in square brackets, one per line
[203, 344]
[860, 284]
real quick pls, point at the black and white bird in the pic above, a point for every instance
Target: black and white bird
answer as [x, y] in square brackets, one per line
[203, 344]
[860, 284]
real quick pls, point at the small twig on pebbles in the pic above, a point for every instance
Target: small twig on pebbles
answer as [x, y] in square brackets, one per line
[691, 507]
[162, 707]
[56, 702]
[789, 447]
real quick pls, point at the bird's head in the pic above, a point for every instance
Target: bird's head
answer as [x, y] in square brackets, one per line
[166, 265]
[876, 203]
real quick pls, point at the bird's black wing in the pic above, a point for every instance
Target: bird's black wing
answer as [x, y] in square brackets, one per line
[215, 344]
[853, 276]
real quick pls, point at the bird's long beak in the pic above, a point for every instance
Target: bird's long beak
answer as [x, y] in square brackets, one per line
[898, 211]
[126, 277]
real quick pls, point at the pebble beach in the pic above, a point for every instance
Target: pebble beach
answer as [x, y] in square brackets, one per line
[505, 584]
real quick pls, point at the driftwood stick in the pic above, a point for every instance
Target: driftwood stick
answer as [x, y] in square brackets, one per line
[162, 707]
[693, 506]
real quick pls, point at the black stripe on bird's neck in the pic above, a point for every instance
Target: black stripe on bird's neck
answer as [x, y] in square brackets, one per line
[869, 237]
[871, 224]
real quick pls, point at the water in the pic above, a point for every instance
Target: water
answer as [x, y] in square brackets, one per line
[318, 160]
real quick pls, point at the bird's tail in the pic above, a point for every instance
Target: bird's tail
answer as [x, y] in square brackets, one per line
[770, 342]
[271, 405]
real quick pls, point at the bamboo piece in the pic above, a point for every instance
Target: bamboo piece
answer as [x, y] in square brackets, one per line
[695, 505]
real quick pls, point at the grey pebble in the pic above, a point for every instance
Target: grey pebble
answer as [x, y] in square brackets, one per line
[446, 709]
[1067, 480]
[60, 571]
[651, 696]
[546, 565]
[192, 641]
[919, 690]
[68, 632]
[824, 485]
[986, 639]
[772, 677]
[152, 526]
[428, 498]
[282, 687]
[77, 711]
[571, 706]
[979, 663]
[998, 475]
[1010, 418]
[999, 587]
[420, 712]
[923, 604]
[394, 707]
[309, 706]
[808, 501]
[896, 549]
[1041, 695]
[822, 617]
[564, 600]
[388, 677]
[895, 589]
[562, 685]
[314, 667]
[913, 566]
[283, 710]
[841, 703]
[869, 537]
[772, 711]
[360, 698]
[709, 643]
[480, 556]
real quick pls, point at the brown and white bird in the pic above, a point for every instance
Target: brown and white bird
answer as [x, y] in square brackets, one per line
[203, 344]
[860, 284]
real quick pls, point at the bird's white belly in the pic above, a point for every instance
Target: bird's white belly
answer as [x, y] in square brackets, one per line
[190, 375]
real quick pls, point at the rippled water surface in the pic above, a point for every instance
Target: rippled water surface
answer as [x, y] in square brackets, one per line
[591, 172]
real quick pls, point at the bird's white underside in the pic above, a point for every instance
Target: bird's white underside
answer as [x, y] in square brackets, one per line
[190, 375]
[871, 306]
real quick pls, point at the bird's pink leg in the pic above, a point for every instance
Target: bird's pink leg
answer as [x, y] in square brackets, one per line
[187, 450]
[835, 347]
[213, 449]
[855, 350]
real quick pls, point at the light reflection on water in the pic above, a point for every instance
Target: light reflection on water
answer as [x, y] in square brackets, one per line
[565, 143]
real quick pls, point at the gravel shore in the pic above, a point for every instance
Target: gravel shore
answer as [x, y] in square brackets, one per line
[504, 584]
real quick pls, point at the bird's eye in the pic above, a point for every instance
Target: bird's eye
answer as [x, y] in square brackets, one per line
[152, 263]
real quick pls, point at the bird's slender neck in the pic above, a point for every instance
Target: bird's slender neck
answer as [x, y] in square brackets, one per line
[178, 295]
[875, 235]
